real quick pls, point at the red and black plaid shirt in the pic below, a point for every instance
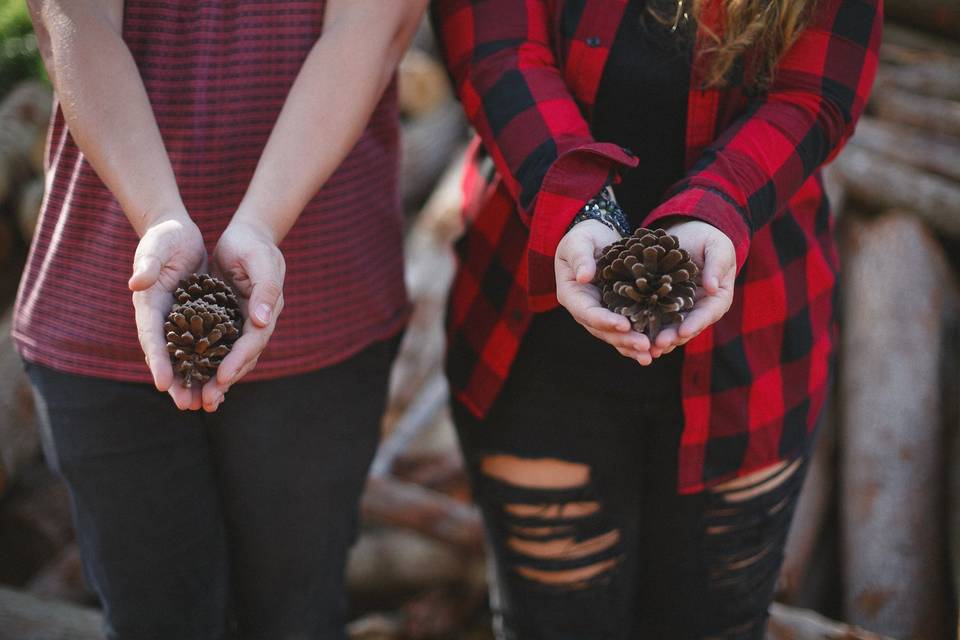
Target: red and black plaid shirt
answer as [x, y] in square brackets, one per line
[527, 72]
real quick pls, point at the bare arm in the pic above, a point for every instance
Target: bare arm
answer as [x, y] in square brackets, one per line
[326, 111]
[328, 107]
[106, 108]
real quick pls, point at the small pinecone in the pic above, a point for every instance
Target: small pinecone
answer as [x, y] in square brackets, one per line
[203, 324]
[648, 278]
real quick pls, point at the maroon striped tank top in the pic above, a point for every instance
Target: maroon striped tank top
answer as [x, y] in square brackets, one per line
[217, 73]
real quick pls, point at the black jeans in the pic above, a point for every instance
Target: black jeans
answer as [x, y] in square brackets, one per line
[611, 550]
[193, 524]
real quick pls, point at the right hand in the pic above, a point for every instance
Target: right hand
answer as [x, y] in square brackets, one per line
[170, 249]
[248, 259]
[574, 266]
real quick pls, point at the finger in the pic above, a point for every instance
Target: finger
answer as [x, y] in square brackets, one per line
[583, 303]
[266, 271]
[667, 337]
[244, 351]
[633, 342]
[212, 394]
[628, 353]
[705, 313]
[146, 272]
[718, 264]
[604, 319]
[264, 301]
[149, 315]
[248, 366]
[186, 399]
[577, 252]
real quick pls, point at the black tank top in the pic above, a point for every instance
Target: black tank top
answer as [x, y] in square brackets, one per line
[641, 104]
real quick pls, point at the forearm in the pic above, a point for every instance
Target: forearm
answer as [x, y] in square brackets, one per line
[105, 105]
[328, 107]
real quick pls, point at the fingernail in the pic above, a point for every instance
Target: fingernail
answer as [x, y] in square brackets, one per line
[263, 313]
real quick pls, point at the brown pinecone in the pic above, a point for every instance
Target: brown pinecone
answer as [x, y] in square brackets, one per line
[203, 324]
[648, 278]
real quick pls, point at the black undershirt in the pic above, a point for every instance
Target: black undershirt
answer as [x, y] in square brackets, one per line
[641, 104]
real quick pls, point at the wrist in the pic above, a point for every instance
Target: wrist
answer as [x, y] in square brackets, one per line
[252, 225]
[603, 208]
[173, 215]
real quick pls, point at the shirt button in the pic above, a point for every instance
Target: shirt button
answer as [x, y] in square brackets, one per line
[593, 41]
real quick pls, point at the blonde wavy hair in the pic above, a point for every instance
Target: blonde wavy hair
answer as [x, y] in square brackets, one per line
[755, 34]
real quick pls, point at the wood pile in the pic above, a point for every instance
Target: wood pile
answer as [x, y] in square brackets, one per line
[878, 519]
[24, 115]
[876, 537]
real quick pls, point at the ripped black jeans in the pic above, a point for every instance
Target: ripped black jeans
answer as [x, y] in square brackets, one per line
[575, 471]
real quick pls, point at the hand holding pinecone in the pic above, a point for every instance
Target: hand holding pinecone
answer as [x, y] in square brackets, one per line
[203, 324]
[649, 279]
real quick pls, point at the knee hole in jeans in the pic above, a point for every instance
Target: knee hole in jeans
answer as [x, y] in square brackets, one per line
[746, 524]
[556, 532]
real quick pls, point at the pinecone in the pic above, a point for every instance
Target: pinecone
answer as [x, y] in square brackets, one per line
[203, 324]
[648, 278]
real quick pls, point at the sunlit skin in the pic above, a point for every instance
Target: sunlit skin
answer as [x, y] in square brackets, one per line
[108, 112]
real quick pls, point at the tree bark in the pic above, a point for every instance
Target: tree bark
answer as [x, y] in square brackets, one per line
[35, 525]
[882, 183]
[386, 562]
[19, 439]
[24, 114]
[910, 145]
[28, 208]
[433, 514]
[429, 270]
[932, 114]
[902, 44]
[811, 513]
[937, 16]
[936, 79]
[891, 441]
[427, 145]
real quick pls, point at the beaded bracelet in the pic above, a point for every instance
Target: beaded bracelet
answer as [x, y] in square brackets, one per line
[603, 207]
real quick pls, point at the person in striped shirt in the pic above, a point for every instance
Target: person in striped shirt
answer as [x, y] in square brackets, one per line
[257, 140]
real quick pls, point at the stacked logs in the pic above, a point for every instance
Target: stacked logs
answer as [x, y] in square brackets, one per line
[24, 114]
[871, 539]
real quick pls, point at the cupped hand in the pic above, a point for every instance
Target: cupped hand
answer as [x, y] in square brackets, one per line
[169, 250]
[575, 266]
[248, 259]
[714, 253]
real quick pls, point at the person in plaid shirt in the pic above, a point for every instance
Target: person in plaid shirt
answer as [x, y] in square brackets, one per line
[645, 496]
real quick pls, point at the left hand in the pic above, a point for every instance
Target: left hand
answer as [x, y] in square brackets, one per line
[247, 258]
[714, 253]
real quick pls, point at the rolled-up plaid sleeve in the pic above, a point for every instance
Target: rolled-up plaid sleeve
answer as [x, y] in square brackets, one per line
[506, 75]
[763, 158]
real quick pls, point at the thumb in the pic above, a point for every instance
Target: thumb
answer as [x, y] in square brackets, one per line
[263, 301]
[718, 261]
[579, 255]
[146, 271]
